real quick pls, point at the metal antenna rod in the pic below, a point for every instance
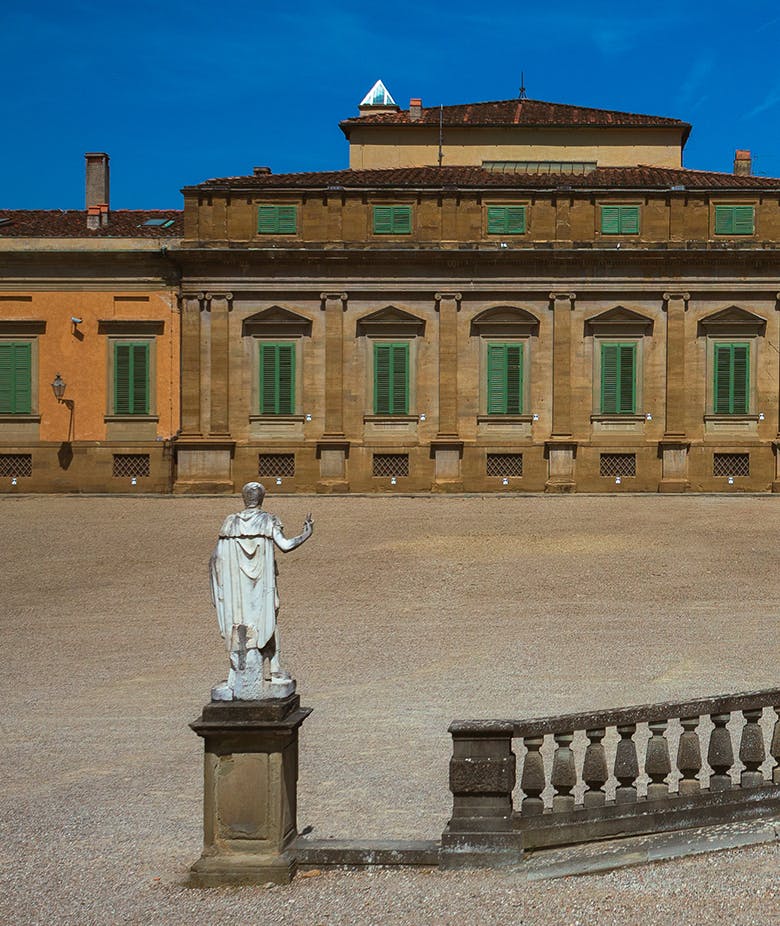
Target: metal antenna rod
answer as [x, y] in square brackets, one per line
[522, 85]
[441, 132]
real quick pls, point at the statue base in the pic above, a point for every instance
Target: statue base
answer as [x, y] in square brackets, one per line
[253, 689]
[250, 784]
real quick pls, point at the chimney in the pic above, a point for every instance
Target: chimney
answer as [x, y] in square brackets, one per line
[415, 109]
[97, 195]
[261, 171]
[743, 166]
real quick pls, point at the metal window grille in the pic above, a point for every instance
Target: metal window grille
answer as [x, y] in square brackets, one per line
[731, 464]
[617, 464]
[15, 464]
[504, 464]
[391, 464]
[131, 465]
[276, 464]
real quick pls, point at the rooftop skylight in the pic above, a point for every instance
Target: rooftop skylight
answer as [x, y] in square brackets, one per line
[378, 95]
[159, 223]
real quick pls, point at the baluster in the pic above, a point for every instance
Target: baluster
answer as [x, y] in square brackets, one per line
[533, 780]
[720, 754]
[626, 765]
[689, 756]
[751, 749]
[657, 762]
[774, 749]
[594, 769]
[564, 773]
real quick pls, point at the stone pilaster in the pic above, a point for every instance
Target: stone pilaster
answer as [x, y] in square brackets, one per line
[219, 305]
[250, 791]
[776, 480]
[333, 448]
[561, 449]
[447, 448]
[675, 444]
[191, 305]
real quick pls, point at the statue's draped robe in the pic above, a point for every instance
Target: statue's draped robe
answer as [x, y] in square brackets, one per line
[243, 579]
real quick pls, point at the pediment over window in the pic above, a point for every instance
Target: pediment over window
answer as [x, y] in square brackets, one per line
[619, 320]
[504, 320]
[732, 320]
[276, 322]
[391, 322]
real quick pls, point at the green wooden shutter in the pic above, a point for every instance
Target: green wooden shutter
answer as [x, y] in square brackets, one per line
[122, 375]
[131, 379]
[391, 379]
[740, 395]
[402, 220]
[287, 220]
[16, 378]
[629, 220]
[400, 379]
[496, 379]
[267, 220]
[277, 379]
[383, 220]
[610, 359]
[514, 379]
[382, 388]
[627, 379]
[618, 379]
[496, 220]
[722, 385]
[610, 220]
[744, 220]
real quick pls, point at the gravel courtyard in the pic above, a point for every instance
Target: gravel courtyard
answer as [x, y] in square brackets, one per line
[399, 615]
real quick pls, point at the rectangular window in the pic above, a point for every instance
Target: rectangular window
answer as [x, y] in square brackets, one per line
[391, 379]
[277, 465]
[131, 465]
[277, 379]
[390, 464]
[277, 220]
[732, 379]
[131, 378]
[731, 464]
[620, 220]
[618, 379]
[617, 464]
[16, 465]
[504, 379]
[734, 220]
[504, 465]
[392, 220]
[15, 378]
[506, 220]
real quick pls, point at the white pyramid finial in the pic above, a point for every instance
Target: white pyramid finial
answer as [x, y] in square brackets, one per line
[378, 95]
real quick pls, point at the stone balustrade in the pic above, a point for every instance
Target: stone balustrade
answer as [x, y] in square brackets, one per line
[610, 773]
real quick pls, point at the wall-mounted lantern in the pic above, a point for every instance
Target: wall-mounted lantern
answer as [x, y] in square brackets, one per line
[58, 387]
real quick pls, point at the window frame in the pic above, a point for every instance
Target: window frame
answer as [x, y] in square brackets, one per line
[718, 211]
[393, 411]
[522, 391]
[403, 209]
[32, 393]
[715, 346]
[491, 207]
[619, 346]
[636, 208]
[293, 344]
[278, 207]
[151, 378]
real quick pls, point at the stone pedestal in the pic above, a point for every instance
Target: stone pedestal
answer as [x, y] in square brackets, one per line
[249, 797]
[447, 454]
[561, 454]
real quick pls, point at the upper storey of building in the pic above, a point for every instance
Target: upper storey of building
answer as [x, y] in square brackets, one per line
[526, 135]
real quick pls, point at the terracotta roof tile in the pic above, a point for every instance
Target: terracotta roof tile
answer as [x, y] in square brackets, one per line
[515, 112]
[602, 178]
[72, 223]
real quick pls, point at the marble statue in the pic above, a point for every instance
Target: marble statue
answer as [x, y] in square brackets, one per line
[243, 589]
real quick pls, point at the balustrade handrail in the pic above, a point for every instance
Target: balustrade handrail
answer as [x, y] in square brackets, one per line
[644, 713]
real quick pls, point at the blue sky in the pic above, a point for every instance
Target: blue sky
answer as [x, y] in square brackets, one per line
[177, 92]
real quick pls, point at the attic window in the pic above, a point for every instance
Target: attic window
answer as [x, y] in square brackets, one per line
[159, 223]
[540, 167]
